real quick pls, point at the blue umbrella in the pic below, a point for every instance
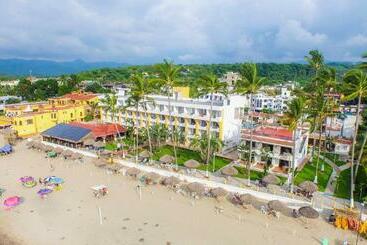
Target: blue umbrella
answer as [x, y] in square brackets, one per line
[44, 191]
[56, 180]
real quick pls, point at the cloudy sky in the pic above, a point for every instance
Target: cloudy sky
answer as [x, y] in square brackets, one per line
[186, 31]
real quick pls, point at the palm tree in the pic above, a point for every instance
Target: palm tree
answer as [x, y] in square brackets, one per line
[356, 87]
[210, 84]
[110, 105]
[267, 155]
[364, 64]
[293, 118]
[244, 154]
[201, 145]
[168, 77]
[159, 132]
[249, 84]
[140, 88]
[315, 60]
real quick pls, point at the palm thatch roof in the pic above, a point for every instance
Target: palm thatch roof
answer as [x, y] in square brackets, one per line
[192, 163]
[277, 205]
[167, 159]
[48, 148]
[309, 212]
[247, 198]
[196, 188]
[145, 154]
[133, 172]
[58, 150]
[229, 171]
[218, 192]
[99, 163]
[308, 186]
[152, 177]
[89, 142]
[171, 181]
[67, 153]
[98, 144]
[114, 167]
[30, 144]
[76, 156]
[271, 179]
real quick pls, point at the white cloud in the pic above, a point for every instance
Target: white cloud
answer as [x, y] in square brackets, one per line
[184, 30]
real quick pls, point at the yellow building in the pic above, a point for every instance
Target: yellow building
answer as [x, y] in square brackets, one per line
[32, 118]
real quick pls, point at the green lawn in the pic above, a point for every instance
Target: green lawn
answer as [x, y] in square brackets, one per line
[111, 146]
[184, 154]
[254, 175]
[333, 157]
[343, 184]
[308, 173]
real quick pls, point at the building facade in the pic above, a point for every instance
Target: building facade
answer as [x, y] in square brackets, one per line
[32, 118]
[279, 141]
[190, 116]
[277, 103]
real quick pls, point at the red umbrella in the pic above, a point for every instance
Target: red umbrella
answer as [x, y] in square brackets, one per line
[12, 201]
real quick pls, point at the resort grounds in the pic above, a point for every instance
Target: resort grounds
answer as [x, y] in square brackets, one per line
[160, 216]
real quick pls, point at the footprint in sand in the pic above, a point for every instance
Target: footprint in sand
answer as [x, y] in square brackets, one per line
[124, 227]
[141, 240]
[156, 225]
[126, 219]
[145, 223]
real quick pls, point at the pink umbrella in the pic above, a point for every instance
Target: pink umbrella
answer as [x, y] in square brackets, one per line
[26, 179]
[12, 201]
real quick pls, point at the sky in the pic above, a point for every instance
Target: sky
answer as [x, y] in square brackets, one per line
[185, 31]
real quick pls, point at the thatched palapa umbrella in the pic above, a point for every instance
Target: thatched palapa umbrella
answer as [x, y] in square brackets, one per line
[145, 154]
[67, 153]
[58, 150]
[192, 163]
[196, 188]
[99, 163]
[167, 159]
[29, 144]
[277, 205]
[89, 142]
[171, 181]
[309, 212]
[133, 172]
[48, 148]
[114, 167]
[152, 177]
[308, 186]
[76, 156]
[270, 179]
[229, 171]
[218, 192]
[247, 198]
[98, 144]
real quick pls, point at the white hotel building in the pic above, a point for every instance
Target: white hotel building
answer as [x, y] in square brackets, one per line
[189, 115]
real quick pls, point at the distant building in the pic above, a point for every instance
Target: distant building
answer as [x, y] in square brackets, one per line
[230, 78]
[11, 83]
[4, 100]
[32, 118]
[277, 103]
[342, 125]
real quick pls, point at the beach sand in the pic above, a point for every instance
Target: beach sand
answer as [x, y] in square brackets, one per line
[71, 216]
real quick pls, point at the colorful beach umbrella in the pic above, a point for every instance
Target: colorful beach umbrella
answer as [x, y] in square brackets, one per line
[56, 180]
[12, 201]
[44, 191]
[26, 179]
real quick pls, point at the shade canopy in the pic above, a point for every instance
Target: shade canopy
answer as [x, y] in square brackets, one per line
[196, 188]
[171, 181]
[133, 172]
[192, 163]
[67, 153]
[309, 212]
[229, 171]
[58, 150]
[271, 179]
[218, 192]
[167, 159]
[308, 186]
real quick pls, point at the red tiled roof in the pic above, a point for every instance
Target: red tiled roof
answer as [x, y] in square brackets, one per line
[343, 141]
[79, 96]
[101, 130]
[274, 132]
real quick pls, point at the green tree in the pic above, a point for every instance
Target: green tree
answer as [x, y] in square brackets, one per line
[210, 85]
[293, 118]
[249, 84]
[111, 108]
[25, 89]
[356, 88]
[159, 133]
[44, 89]
[201, 143]
[168, 77]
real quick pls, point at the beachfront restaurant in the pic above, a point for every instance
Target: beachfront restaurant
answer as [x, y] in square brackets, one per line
[68, 135]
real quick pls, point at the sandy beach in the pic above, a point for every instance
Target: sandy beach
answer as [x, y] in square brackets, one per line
[71, 216]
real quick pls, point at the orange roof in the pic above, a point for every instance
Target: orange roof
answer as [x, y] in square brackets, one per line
[101, 130]
[272, 135]
[343, 141]
[78, 96]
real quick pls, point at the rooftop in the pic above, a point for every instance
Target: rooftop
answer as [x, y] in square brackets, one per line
[78, 96]
[100, 129]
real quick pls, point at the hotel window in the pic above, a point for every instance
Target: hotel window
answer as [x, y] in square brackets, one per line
[29, 121]
[81, 114]
[20, 123]
[71, 115]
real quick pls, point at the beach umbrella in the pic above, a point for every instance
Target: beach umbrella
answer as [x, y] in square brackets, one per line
[56, 180]
[308, 186]
[145, 154]
[67, 153]
[133, 172]
[271, 179]
[26, 179]
[12, 201]
[114, 167]
[29, 144]
[171, 181]
[44, 191]
[229, 171]
[89, 142]
[48, 148]
[76, 156]
[309, 212]
[98, 144]
[167, 159]
[51, 154]
[99, 163]
[192, 163]
[277, 205]
[196, 188]
[218, 192]
[152, 177]
[36, 145]
[247, 198]
[58, 150]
